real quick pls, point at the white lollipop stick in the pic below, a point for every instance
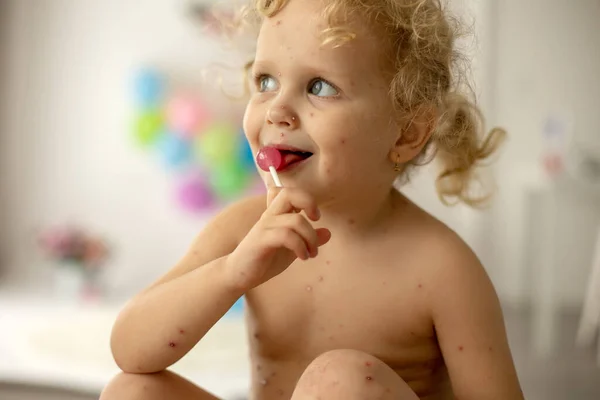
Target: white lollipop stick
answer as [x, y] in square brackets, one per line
[275, 177]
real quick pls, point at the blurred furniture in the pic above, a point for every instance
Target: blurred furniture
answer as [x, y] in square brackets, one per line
[544, 196]
[589, 326]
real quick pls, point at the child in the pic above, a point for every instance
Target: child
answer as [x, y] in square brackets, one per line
[353, 292]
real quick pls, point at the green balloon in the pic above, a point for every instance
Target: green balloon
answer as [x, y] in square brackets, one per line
[148, 128]
[229, 180]
[218, 144]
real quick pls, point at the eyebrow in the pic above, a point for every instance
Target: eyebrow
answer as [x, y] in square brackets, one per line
[311, 70]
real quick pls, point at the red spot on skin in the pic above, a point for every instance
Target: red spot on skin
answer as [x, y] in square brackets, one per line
[273, 374]
[412, 333]
[256, 336]
[460, 348]
[278, 23]
[388, 390]
[321, 279]
[331, 338]
[420, 286]
[343, 141]
[490, 348]
[309, 288]
[283, 107]
[369, 378]
[352, 222]
[282, 134]
[328, 262]
[341, 326]
[264, 382]
[368, 363]
[181, 331]
[258, 367]
[312, 114]
[172, 344]
[384, 283]
[352, 83]
[280, 392]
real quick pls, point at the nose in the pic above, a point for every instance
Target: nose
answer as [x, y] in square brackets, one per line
[283, 117]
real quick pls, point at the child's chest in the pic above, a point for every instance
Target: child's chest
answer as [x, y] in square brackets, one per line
[357, 301]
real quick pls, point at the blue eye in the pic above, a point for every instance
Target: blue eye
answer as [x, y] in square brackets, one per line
[321, 88]
[266, 83]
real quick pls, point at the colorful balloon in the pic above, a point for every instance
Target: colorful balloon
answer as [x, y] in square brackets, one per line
[194, 194]
[186, 116]
[229, 180]
[149, 88]
[218, 144]
[174, 151]
[148, 128]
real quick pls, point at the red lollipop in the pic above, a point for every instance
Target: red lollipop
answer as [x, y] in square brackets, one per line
[269, 159]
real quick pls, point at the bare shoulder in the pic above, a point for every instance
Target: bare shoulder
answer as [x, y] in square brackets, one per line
[219, 237]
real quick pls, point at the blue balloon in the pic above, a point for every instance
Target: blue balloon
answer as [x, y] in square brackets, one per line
[149, 87]
[175, 151]
[245, 152]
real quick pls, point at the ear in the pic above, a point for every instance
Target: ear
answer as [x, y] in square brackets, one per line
[414, 136]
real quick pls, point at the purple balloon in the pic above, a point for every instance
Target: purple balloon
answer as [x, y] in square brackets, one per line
[194, 195]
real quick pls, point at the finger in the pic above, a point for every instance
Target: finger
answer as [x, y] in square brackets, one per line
[272, 193]
[323, 236]
[290, 200]
[302, 227]
[289, 239]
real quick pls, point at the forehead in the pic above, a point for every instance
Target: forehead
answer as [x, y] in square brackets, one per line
[294, 37]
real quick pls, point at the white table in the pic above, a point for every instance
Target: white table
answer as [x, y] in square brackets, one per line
[66, 345]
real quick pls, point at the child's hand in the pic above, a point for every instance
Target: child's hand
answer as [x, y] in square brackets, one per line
[281, 235]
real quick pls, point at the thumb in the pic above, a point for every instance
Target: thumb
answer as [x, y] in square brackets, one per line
[272, 193]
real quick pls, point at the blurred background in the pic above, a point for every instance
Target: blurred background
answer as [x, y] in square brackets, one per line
[117, 144]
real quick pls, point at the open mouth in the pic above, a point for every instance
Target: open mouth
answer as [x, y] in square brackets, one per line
[293, 157]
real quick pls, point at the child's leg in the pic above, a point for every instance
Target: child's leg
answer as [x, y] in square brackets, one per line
[351, 375]
[162, 385]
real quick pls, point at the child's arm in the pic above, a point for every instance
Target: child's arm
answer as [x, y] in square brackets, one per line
[470, 327]
[162, 323]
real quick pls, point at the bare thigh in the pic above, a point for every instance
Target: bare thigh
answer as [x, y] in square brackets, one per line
[159, 386]
[351, 375]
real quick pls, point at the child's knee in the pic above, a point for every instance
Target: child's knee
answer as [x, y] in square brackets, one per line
[350, 374]
[132, 386]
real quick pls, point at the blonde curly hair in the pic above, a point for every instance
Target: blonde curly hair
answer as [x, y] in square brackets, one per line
[428, 70]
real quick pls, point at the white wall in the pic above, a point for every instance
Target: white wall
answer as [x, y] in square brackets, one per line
[547, 61]
[66, 153]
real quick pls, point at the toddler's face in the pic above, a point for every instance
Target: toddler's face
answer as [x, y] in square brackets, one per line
[330, 102]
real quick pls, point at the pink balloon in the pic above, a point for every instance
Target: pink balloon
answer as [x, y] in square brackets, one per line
[194, 194]
[186, 116]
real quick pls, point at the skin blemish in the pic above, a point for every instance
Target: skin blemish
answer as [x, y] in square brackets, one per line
[309, 288]
[420, 286]
[368, 363]
[181, 331]
[264, 382]
[328, 262]
[412, 333]
[278, 23]
[283, 107]
[369, 378]
[352, 222]
[322, 329]
[343, 141]
[293, 118]
[460, 348]
[331, 338]
[282, 134]
[490, 349]
[321, 280]
[312, 114]
[258, 367]
[256, 336]
[280, 392]
[172, 344]
[273, 374]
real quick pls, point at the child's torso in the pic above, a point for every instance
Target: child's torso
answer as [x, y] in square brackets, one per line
[362, 299]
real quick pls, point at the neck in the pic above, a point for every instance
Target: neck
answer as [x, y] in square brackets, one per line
[359, 215]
